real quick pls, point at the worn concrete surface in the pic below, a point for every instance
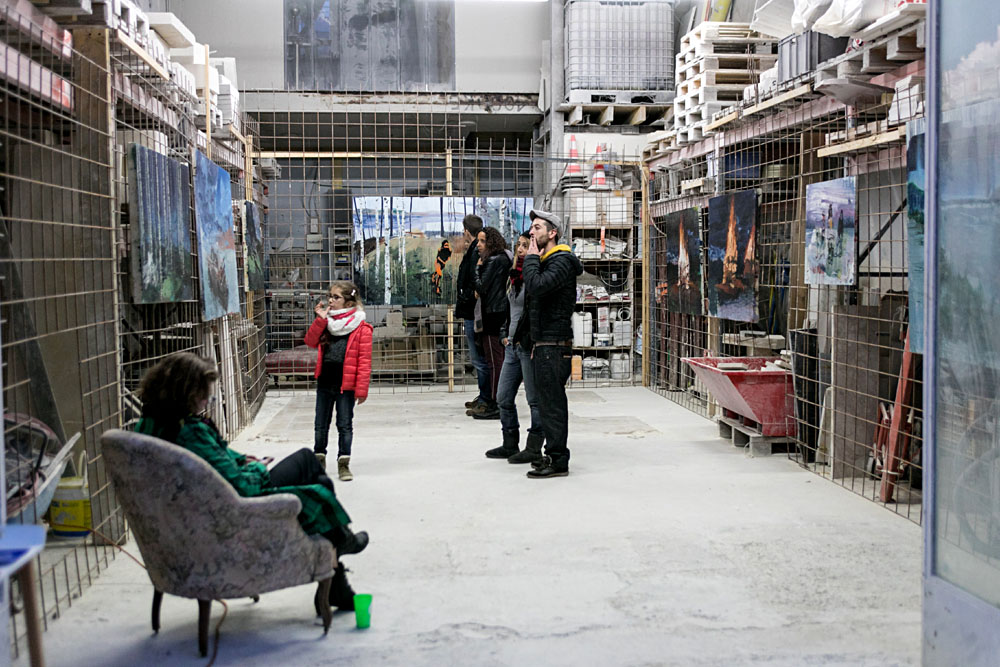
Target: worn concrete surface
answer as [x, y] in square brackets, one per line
[664, 546]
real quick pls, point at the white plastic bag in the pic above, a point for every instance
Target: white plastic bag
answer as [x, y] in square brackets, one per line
[807, 11]
[846, 17]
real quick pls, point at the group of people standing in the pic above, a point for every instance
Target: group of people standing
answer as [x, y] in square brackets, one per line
[517, 307]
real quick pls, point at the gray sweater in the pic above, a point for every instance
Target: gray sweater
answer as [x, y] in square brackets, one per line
[516, 308]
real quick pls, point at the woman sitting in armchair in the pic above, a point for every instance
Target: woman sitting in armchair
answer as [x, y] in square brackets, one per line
[175, 395]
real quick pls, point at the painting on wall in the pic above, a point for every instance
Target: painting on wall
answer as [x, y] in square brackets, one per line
[411, 247]
[915, 183]
[831, 238]
[732, 256]
[255, 247]
[681, 292]
[216, 239]
[160, 217]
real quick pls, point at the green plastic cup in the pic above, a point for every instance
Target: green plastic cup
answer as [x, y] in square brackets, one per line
[363, 610]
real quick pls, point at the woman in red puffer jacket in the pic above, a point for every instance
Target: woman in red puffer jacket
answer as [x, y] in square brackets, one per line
[343, 369]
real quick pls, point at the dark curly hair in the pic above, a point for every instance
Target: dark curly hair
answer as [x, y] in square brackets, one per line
[495, 242]
[171, 390]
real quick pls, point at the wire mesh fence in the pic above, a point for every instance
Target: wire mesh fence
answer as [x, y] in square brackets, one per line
[784, 238]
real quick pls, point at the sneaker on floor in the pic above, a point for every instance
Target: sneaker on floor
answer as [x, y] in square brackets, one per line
[478, 408]
[343, 469]
[322, 460]
[547, 471]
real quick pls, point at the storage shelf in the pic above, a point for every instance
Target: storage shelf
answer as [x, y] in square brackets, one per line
[602, 302]
[604, 347]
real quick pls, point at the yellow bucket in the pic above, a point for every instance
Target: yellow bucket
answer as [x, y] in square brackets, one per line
[69, 513]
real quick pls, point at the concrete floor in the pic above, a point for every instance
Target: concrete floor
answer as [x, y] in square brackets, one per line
[664, 546]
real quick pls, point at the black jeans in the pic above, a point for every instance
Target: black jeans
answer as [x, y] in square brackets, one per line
[299, 469]
[326, 400]
[552, 368]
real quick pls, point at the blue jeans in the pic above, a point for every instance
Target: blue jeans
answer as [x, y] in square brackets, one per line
[326, 400]
[478, 362]
[517, 367]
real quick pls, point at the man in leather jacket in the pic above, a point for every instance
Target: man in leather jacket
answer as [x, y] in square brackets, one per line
[550, 272]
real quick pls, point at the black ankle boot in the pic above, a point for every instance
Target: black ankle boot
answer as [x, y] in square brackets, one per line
[347, 542]
[341, 593]
[508, 448]
[532, 451]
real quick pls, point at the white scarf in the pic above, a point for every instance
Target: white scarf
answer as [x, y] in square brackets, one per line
[344, 321]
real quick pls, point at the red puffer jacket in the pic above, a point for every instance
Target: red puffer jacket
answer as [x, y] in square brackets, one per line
[358, 360]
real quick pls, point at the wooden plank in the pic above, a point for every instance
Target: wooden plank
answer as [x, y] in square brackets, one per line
[898, 134]
[804, 89]
[725, 120]
[608, 115]
[890, 467]
[638, 117]
[141, 53]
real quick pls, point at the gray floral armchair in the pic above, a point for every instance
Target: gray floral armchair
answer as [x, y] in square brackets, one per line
[199, 539]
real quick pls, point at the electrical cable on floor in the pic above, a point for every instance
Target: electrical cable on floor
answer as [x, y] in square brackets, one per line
[225, 607]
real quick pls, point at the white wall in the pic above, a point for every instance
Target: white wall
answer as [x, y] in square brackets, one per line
[252, 31]
[498, 45]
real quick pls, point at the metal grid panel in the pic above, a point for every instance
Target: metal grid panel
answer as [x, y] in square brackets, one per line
[847, 341]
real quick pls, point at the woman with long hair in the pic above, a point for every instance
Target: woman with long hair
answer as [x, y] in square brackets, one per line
[175, 396]
[491, 278]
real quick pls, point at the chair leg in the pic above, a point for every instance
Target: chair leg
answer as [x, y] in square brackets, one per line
[322, 602]
[157, 599]
[204, 613]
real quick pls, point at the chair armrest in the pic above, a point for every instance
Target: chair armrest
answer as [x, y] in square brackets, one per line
[278, 506]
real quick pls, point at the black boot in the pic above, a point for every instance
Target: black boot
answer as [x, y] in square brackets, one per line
[532, 450]
[341, 593]
[549, 469]
[508, 448]
[490, 411]
[347, 542]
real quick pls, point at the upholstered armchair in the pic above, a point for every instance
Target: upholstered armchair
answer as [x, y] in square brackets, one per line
[199, 539]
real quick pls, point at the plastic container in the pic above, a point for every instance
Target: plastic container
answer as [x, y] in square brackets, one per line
[576, 367]
[800, 54]
[621, 366]
[602, 340]
[583, 327]
[69, 512]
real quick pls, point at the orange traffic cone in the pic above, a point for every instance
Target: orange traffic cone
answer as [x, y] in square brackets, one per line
[574, 155]
[598, 180]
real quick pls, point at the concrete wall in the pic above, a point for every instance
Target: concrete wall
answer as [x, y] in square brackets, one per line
[498, 43]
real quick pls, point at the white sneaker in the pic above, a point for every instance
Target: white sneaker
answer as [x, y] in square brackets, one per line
[343, 471]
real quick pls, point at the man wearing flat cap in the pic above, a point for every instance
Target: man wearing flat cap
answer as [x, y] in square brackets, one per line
[550, 272]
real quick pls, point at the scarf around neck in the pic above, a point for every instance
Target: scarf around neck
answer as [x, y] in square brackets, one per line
[344, 321]
[517, 274]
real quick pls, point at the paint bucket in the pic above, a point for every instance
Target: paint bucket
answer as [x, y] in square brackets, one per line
[69, 513]
[602, 340]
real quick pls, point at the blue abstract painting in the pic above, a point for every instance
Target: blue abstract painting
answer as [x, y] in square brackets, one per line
[216, 239]
[831, 238]
[159, 192]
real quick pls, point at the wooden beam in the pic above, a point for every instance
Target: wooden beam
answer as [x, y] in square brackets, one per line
[725, 120]
[804, 89]
[898, 134]
[638, 117]
[141, 53]
[608, 115]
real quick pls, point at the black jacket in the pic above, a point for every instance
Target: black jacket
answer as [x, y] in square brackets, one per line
[550, 297]
[465, 304]
[491, 279]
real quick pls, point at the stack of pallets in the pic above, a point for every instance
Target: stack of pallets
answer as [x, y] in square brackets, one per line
[716, 61]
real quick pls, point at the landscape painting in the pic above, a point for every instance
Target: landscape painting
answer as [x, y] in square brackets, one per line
[216, 239]
[831, 238]
[160, 220]
[682, 289]
[254, 261]
[732, 256]
[409, 248]
[915, 183]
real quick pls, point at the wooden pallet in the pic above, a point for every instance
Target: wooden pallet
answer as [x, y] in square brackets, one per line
[730, 49]
[712, 32]
[660, 144]
[698, 114]
[753, 63]
[689, 134]
[743, 433]
[881, 53]
[730, 93]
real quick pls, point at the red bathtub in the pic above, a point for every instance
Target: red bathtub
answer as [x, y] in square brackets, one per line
[762, 396]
